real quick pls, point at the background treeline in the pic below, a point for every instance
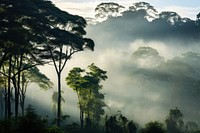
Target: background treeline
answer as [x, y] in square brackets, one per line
[117, 123]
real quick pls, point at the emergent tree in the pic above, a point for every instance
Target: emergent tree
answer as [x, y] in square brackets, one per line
[87, 87]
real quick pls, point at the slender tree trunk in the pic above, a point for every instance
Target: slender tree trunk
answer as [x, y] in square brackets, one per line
[22, 93]
[18, 86]
[16, 101]
[6, 103]
[81, 110]
[22, 104]
[1, 105]
[59, 99]
[15, 86]
[9, 88]
[5, 97]
[59, 69]
[81, 118]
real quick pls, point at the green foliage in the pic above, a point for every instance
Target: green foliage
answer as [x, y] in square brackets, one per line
[5, 126]
[119, 124]
[75, 80]
[174, 121]
[31, 122]
[153, 127]
[73, 128]
[54, 129]
[33, 75]
[87, 86]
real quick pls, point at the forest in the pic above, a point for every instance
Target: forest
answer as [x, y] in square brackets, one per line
[135, 70]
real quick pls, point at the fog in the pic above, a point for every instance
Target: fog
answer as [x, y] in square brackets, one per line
[152, 67]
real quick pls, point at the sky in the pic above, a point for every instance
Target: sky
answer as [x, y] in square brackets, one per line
[85, 8]
[138, 56]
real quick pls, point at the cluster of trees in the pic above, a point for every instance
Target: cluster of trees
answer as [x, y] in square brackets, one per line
[32, 33]
[118, 123]
[174, 123]
[31, 122]
[87, 87]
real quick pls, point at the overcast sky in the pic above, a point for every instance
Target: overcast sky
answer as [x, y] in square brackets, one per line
[85, 8]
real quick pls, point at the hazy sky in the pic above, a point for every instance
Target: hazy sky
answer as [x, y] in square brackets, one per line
[186, 8]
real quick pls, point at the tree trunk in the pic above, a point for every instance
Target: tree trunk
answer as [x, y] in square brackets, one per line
[1, 105]
[81, 118]
[9, 88]
[6, 103]
[81, 110]
[5, 95]
[22, 93]
[16, 95]
[15, 86]
[59, 99]
[18, 85]
[22, 104]
[17, 98]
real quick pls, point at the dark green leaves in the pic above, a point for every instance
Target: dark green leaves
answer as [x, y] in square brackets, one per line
[87, 86]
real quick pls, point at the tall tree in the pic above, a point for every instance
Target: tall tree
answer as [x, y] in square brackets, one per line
[3, 92]
[42, 29]
[64, 40]
[87, 87]
[17, 46]
[77, 83]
